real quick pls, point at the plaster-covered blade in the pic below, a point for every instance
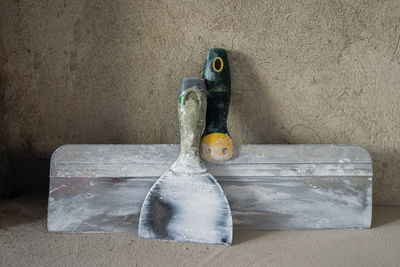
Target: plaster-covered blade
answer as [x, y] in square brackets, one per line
[188, 208]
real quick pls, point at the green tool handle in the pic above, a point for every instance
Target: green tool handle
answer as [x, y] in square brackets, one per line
[216, 144]
[218, 108]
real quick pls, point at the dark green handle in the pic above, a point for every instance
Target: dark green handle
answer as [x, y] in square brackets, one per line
[216, 144]
[217, 75]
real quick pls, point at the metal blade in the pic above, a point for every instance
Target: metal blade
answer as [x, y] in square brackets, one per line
[187, 208]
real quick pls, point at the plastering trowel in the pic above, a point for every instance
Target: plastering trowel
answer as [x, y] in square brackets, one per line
[216, 143]
[186, 203]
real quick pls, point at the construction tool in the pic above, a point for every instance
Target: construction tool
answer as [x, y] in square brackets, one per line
[216, 143]
[186, 203]
[101, 188]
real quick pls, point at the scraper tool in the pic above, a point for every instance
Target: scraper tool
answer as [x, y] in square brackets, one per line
[186, 203]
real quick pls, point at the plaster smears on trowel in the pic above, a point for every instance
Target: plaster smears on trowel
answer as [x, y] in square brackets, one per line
[186, 203]
[216, 143]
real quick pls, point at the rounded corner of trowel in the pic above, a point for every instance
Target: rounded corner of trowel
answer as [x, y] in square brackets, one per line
[57, 151]
[365, 150]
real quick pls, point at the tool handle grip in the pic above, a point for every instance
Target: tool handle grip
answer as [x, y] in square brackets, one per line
[216, 143]
[192, 105]
[217, 110]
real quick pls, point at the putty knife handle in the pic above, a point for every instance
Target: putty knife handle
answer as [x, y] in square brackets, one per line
[192, 105]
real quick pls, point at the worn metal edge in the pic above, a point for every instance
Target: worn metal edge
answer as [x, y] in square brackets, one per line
[237, 148]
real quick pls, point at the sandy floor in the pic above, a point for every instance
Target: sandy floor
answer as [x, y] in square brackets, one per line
[24, 241]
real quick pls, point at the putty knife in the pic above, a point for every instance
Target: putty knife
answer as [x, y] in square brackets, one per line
[186, 203]
[216, 143]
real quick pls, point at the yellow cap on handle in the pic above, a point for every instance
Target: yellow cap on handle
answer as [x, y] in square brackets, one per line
[216, 147]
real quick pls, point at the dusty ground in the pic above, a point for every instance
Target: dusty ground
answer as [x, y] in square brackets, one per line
[24, 241]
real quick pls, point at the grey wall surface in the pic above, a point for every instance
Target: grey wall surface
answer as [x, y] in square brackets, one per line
[108, 72]
[4, 186]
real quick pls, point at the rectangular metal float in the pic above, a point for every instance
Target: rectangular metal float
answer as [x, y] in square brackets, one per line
[100, 188]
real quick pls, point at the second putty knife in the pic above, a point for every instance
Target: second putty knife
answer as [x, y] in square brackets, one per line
[186, 203]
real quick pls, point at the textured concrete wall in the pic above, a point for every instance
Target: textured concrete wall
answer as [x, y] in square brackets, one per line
[108, 72]
[4, 186]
